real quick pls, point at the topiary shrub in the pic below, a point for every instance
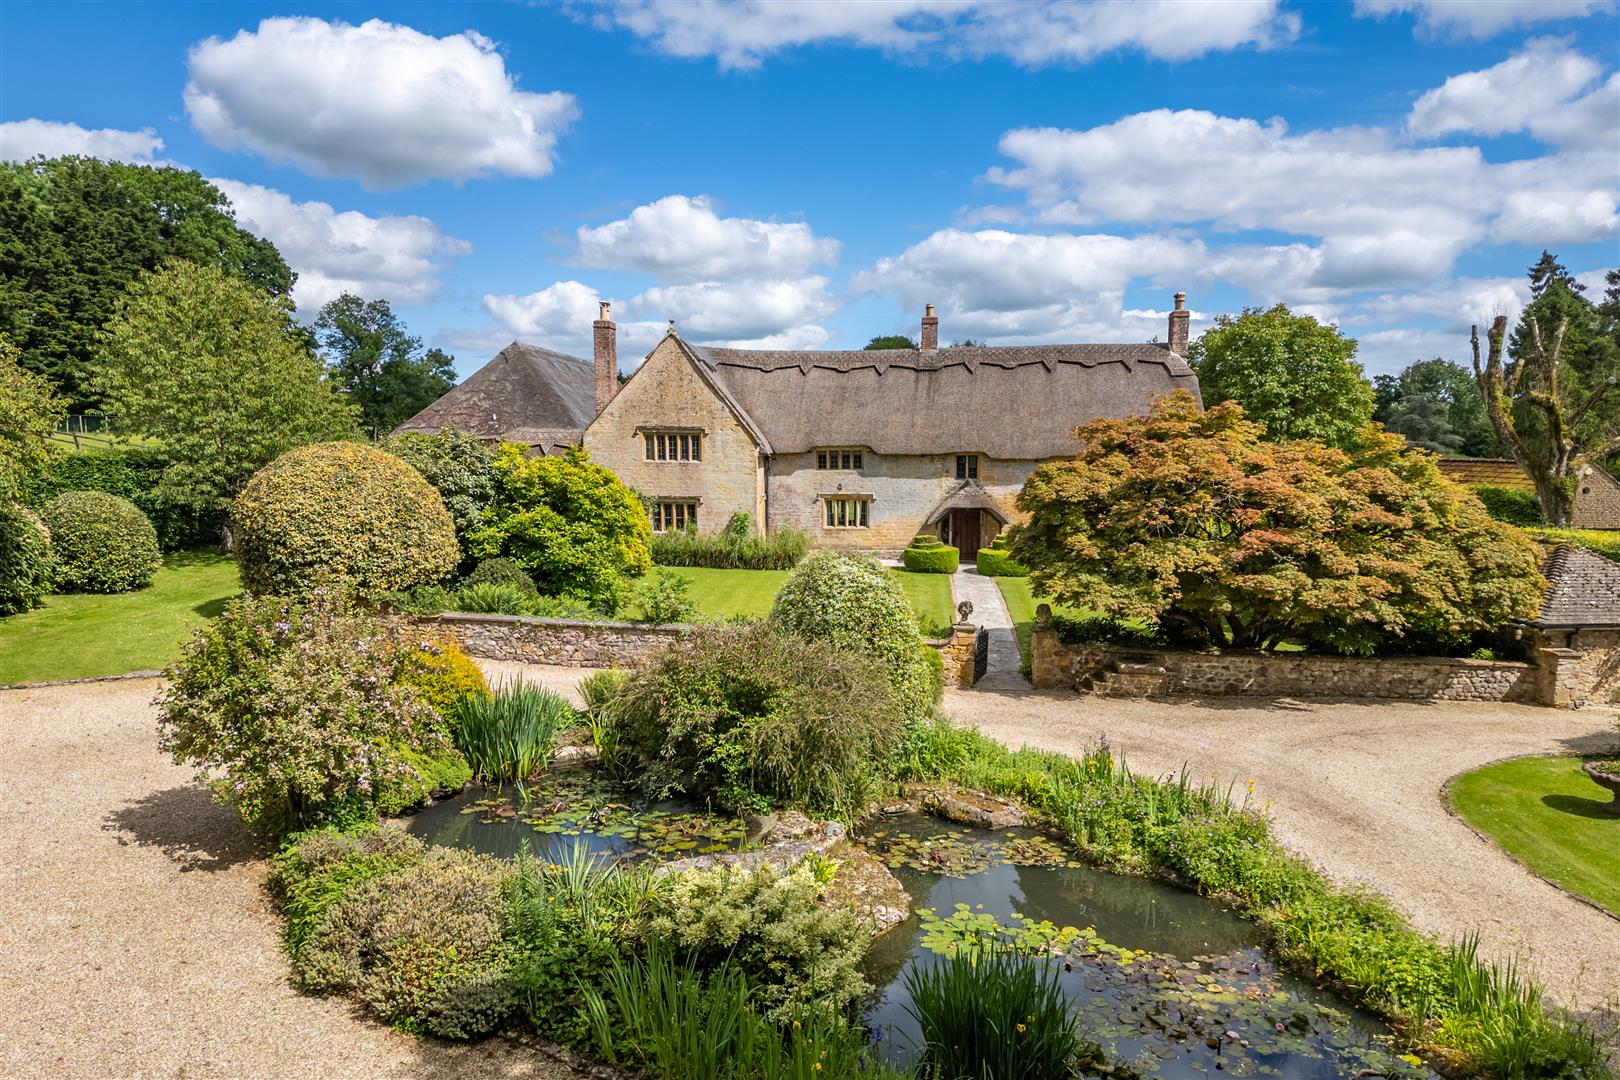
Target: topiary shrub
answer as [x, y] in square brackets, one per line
[758, 717]
[926, 555]
[997, 561]
[102, 543]
[27, 563]
[345, 508]
[852, 603]
[501, 570]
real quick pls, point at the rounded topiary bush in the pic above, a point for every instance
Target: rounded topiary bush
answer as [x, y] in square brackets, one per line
[342, 508]
[926, 555]
[997, 561]
[501, 570]
[26, 560]
[853, 603]
[102, 543]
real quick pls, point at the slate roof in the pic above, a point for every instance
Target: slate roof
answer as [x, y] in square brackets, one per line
[523, 388]
[1583, 589]
[1486, 472]
[1019, 402]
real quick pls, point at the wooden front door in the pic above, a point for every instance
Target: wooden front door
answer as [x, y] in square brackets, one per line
[965, 534]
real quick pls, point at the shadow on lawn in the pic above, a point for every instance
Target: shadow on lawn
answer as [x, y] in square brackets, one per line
[211, 609]
[189, 827]
[1574, 804]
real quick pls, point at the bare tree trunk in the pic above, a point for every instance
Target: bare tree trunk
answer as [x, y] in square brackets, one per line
[1550, 468]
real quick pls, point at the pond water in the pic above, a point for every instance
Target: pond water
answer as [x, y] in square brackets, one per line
[1166, 982]
[569, 808]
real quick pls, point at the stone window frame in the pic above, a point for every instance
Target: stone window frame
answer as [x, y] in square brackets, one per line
[967, 466]
[656, 440]
[846, 511]
[842, 458]
[674, 513]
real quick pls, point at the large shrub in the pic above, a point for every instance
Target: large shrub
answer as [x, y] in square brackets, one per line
[26, 562]
[458, 467]
[758, 717]
[927, 555]
[345, 508]
[852, 603]
[102, 543]
[298, 712]
[1188, 519]
[573, 525]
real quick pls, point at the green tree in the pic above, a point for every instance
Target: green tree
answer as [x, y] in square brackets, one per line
[1192, 520]
[890, 341]
[74, 232]
[573, 525]
[1296, 376]
[30, 409]
[206, 364]
[383, 369]
[1436, 405]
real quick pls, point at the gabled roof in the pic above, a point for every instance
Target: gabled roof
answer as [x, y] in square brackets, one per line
[1583, 590]
[969, 496]
[1486, 472]
[1019, 402]
[524, 386]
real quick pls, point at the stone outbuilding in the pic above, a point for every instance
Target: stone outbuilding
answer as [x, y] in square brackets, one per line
[1576, 636]
[524, 394]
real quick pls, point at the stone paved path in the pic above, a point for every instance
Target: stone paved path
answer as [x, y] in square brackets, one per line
[990, 612]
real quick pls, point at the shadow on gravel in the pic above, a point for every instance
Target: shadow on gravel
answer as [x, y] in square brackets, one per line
[189, 827]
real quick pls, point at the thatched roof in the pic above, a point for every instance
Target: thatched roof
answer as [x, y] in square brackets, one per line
[970, 496]
[1486, 472]
[523, 387]
[1019, 402]
[1583, 590]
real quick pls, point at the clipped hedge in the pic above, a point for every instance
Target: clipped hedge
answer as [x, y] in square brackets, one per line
[1516, 506]
[27, 564]
[130, 472]
[343, 508]
[926, 555]
[103, 544]
[997, 561]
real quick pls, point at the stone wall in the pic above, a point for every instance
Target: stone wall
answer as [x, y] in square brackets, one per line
[667, 393]
[1578, 667]
[960, 653]
[1277, 676]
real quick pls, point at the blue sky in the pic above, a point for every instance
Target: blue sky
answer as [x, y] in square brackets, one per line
[809, 175]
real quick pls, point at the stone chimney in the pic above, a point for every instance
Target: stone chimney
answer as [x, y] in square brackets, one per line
[1179, 319]
[930, 329]
[605, 337]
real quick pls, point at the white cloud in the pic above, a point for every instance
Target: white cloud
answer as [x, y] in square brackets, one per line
[744, 34]
[381, 103]
[1529, 91]
[394, 258]
[735, 312]
[1480, 19]
[680, 238]
[23, 139]
[560, 316]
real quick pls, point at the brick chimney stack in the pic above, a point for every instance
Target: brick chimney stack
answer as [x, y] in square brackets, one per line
[1179, 320]
[605, 338]
[930, 328]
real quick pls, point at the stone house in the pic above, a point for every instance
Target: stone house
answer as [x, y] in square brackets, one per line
[1597, 494]
[862, 449]
[1575, 638]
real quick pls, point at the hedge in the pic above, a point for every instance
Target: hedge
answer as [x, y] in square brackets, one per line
[103, 544]
[133, 473]
[926, 555]
[997, 561]
[1516, 506]
[344, 508]
[26, 561]
[1605, 542]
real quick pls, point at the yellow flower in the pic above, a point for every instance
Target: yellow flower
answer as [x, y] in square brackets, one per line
[817, 1066]
[1411, 1059]
[1020, 1029]
[796, 1025]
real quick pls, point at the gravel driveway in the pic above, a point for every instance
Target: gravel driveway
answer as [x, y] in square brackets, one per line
[1357, 788]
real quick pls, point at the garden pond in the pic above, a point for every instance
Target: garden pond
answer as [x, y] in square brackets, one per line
[1166, 982]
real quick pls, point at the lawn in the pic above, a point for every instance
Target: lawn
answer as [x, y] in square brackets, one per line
[725, 594]
[1021, 603]
[1548, 813]
[75, 636]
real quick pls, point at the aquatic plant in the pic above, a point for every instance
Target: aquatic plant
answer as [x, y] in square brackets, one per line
[992, 1012]
[512, 733]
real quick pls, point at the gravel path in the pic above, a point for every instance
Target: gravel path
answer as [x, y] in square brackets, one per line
[1357, 788]
[135, 935]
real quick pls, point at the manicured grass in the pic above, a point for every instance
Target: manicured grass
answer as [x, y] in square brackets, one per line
[1021, 603]
[1548, 813]
[75, 636]
[725, 594]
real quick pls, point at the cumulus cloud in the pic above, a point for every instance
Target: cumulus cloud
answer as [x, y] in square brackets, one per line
[381, 103]
[713, 311]
[744, 34]
[681, 238]
[23, 139]
[394, 258]
[1532, 90]
[1480, 19]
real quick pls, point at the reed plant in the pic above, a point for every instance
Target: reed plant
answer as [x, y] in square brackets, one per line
[737, 548]
[512, 733]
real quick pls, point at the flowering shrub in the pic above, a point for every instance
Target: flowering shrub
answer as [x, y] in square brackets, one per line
[297, 711]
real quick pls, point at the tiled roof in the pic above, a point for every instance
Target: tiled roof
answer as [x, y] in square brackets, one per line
[1583, 589]
[1486, 472]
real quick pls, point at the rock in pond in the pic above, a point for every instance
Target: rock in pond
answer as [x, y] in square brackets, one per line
[973, 808]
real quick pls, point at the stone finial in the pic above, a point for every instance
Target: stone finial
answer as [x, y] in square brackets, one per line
[1043, 614]
[963, 610]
